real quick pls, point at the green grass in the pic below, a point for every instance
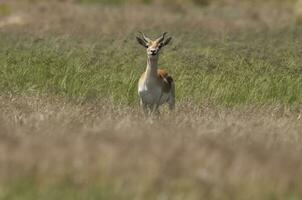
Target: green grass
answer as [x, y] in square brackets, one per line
[28, 189]
[255, 68]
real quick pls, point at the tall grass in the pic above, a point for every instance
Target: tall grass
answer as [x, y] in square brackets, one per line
[243, 69]
[53, 149]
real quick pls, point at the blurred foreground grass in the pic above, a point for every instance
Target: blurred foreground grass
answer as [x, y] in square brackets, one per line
[55, 149]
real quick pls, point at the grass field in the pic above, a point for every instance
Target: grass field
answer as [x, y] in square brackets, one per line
[70, 126]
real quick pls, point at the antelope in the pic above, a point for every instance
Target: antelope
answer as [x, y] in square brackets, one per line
[155, 86]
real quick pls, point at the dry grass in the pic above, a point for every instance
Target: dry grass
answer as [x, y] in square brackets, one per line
[86, 20]
[54, 148]
[199, 153]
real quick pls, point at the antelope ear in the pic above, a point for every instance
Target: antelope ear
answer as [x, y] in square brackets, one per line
[167, 41]
[141, 42]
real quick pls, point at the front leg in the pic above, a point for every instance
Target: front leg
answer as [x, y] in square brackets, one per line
[155, 109]
[155, 106]
[144, 106]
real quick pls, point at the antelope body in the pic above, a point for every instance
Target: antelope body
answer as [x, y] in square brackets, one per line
[155, 86]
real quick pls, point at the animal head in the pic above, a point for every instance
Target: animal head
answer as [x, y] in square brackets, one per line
[153, 46]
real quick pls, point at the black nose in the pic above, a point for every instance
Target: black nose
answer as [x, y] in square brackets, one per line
[153, 52]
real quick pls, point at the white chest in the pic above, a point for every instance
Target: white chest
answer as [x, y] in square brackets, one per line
[149, 92]
[152, 95]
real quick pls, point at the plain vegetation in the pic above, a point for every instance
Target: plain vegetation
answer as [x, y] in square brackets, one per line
[70, 126]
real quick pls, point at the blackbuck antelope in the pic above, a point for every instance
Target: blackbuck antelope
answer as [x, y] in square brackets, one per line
[155, 86]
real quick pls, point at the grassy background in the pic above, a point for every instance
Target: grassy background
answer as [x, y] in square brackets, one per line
[69, 120]
[237, 68]
[223, 72]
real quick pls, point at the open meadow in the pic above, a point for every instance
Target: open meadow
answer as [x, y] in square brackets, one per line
[70, 123]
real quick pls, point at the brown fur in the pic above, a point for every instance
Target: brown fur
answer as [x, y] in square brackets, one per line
[167, 80]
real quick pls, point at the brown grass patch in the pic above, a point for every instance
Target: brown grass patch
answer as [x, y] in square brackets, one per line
[76, 19]
[197, 152]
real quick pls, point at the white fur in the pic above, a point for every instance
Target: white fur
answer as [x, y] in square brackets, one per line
[150, 89]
